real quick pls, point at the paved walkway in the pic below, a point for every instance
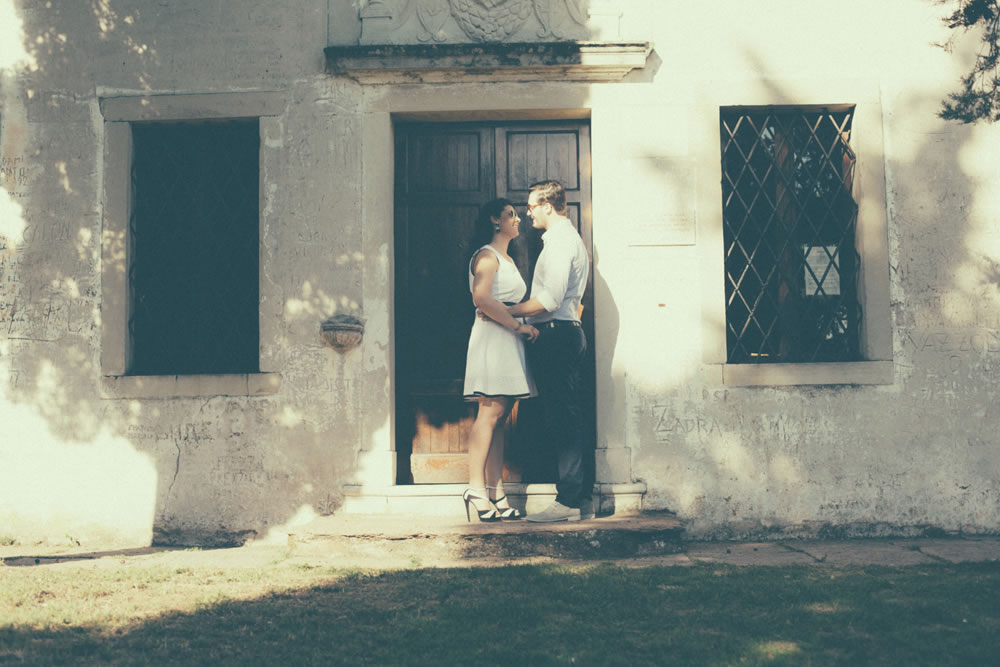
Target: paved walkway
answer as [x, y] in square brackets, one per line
[401, 542]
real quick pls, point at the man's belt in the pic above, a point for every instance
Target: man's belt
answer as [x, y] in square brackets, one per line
[552, 324]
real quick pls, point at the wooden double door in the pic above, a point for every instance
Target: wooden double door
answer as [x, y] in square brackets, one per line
[444, 173]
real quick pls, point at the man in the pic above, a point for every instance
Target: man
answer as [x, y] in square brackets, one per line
[557, 355]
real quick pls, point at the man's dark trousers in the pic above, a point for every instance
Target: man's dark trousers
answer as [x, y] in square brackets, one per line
[556, 359]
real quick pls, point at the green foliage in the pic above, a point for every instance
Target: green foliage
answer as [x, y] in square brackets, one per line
[979, 96]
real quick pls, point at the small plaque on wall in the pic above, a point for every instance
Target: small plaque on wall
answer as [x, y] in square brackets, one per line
[661, 190]
[666, 230]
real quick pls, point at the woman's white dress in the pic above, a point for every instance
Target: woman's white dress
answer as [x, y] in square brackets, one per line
[495, 364]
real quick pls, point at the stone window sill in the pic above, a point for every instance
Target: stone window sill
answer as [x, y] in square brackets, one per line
[770, 375]
[190, 386]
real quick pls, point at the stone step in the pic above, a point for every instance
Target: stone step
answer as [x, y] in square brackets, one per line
[381, 539]
[444, 500]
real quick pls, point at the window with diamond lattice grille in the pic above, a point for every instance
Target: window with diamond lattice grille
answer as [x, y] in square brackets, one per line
[193, 274]
[789, 221]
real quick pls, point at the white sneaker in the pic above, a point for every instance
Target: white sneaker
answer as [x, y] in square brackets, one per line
[555, 512]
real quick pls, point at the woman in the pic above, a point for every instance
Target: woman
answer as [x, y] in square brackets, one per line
[496, 373]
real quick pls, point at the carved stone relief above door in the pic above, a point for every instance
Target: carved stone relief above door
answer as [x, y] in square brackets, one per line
[457, 21]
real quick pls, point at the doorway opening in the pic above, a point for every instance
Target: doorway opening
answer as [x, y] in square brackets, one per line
[444, 173]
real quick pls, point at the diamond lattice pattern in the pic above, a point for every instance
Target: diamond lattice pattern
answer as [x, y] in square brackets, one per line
[789, 220]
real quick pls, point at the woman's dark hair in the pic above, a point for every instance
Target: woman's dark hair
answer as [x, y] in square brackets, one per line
[484, 229]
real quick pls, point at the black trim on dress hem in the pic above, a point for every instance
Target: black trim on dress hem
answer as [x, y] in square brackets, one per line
[479, 394]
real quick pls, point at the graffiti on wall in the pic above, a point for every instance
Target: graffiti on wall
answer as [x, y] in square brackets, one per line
[15, 175]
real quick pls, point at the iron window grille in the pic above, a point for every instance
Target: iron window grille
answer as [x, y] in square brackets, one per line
[193, 274]
[789, 221]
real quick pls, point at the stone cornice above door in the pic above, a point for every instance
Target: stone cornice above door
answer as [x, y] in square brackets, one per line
[486, 62]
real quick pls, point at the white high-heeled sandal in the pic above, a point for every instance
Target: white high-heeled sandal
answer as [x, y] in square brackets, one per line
[470, 497]
[507, 513]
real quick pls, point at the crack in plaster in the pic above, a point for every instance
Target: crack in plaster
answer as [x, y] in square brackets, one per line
[177, 470]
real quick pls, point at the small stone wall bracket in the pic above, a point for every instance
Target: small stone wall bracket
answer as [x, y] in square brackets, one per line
[342, 332]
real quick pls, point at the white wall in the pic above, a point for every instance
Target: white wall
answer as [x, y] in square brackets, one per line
[918, 451]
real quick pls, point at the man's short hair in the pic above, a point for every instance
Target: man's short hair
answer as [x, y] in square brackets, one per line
[550, 192]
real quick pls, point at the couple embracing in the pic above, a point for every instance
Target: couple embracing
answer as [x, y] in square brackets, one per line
[520, 349]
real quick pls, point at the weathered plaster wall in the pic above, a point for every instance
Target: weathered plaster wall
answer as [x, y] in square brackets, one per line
[919, 451]
[739, 461]
[75, 466]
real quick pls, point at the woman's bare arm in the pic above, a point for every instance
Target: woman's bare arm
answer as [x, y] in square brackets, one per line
[484, 269]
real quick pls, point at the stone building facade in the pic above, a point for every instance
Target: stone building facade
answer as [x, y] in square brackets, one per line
[795, 302]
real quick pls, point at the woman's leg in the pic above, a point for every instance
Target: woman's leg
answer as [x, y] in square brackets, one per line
[494, 459]
[490, 414]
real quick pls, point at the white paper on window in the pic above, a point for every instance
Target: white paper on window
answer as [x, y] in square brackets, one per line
[818, 258]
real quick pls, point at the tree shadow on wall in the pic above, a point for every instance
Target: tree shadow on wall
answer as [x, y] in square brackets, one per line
[144, 463]
[804, 444]
[212, 470]
[215, 469]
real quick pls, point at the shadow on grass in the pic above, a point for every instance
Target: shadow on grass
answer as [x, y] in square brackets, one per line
[55, 559]
[542, 615]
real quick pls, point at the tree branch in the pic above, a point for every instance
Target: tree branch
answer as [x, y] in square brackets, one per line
[978, 98]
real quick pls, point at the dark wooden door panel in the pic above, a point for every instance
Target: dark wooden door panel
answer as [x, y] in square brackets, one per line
[528, 155]
[455, 157]
[448, 175]
[533, 155]
[439, 310]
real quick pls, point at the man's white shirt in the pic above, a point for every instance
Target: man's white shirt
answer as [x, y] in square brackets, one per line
[560, 273]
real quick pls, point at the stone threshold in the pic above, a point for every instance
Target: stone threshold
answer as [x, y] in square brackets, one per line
[379, 538]
[446, 499]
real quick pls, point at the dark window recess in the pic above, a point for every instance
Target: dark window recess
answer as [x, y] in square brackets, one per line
[193, 275]
[789, 221]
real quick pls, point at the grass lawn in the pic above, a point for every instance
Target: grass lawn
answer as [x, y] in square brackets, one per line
[599, 614]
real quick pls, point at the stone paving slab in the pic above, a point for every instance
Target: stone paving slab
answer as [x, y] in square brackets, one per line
[864, 552]
[960, 550]
[445, 540]
[763, 554]
[52, 554]
[755, 553]
[393, 541]
[669, 560]
[396, 526]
